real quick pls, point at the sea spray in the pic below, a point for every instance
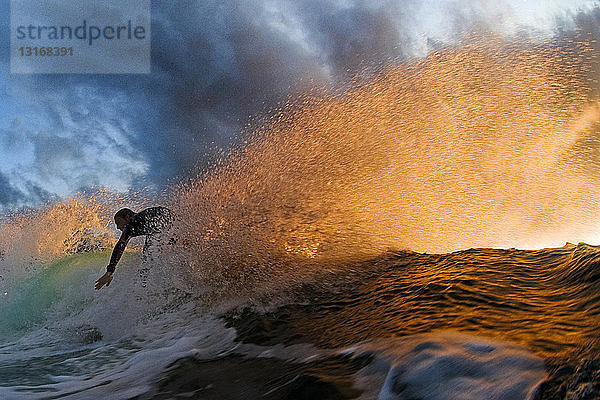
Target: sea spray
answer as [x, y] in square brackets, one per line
[472, 146]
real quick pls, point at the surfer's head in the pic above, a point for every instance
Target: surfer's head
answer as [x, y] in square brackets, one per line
[122, 218]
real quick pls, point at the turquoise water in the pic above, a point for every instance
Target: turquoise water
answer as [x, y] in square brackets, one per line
[27, 305]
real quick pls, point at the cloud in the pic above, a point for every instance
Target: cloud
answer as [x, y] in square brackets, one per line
[9, 195]
[216, 65]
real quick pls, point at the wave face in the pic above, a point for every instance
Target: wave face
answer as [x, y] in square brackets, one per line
[545, 299]
[301, 258]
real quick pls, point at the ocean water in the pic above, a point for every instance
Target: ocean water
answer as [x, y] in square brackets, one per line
[364, 243]
[481, 323]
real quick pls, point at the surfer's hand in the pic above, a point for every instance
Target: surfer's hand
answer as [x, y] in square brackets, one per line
[104, 280]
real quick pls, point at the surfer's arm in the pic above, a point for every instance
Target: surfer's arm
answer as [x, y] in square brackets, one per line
[118, 251]
[114, 259]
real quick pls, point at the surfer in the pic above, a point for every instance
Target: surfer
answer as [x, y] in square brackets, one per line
[149, 222]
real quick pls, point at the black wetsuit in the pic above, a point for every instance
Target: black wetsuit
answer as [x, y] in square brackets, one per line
[147, 222]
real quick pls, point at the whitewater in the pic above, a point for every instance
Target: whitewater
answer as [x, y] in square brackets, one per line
[402, 238]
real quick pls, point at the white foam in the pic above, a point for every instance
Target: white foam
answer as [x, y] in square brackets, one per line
[133, 372]
[448, 365]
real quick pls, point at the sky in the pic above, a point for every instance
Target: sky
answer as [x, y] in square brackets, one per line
[216, 66]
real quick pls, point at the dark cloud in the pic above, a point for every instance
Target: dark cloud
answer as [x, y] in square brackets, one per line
[359, 36]
[583, 27]
[215, 65]
[220, 63]
[27, 193]
[9, 195]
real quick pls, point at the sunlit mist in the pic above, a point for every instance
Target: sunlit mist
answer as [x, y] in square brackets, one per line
[469, 147]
